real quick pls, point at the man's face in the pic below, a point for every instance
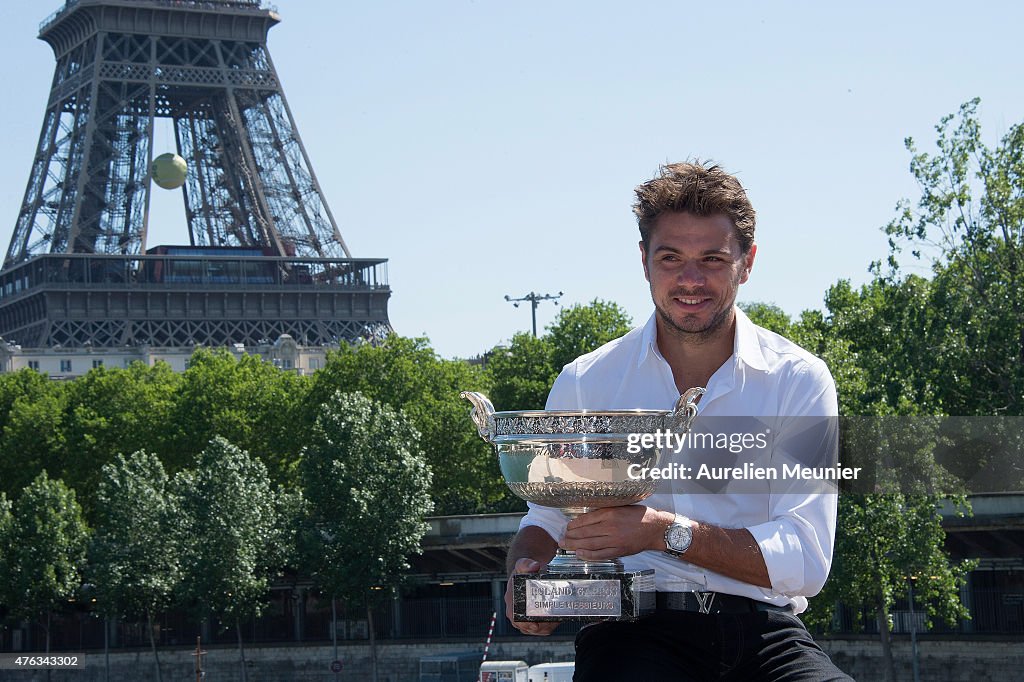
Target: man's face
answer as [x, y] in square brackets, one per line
[695, 266]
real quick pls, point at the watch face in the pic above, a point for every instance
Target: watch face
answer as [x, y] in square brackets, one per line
[678, 537]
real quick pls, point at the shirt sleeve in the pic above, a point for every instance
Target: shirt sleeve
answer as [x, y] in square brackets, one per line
[561, 397]
[798, 540]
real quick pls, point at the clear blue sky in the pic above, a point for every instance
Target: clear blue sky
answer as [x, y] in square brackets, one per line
[491, 148]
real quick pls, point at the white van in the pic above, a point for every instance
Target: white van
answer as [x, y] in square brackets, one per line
[552, 672]
[504, 671]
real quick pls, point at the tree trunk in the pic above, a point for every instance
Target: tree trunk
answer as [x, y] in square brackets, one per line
[49, 672]
[373, 641]
[241, 649]
[334, 628]
[152, 644]
[888, 665]
[106, 648]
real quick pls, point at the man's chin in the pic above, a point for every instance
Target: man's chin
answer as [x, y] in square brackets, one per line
[693, 327]
[686, 325]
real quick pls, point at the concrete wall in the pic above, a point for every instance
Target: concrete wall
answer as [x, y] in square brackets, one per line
[940, 661]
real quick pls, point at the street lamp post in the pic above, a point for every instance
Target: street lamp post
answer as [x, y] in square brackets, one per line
[534, 300]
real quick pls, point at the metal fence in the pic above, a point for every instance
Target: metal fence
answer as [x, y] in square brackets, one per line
[993, 612]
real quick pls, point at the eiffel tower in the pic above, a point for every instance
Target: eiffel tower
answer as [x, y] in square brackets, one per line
[264, 256]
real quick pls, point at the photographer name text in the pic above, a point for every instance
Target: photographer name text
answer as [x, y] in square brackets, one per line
[745, 472]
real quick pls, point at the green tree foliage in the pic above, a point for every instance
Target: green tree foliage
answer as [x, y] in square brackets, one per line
[31, 428]
[116, 411]
[227, 530]
[890, 326]
[884, 541]
[968, 224]
[227, 521]
[948, 344]
[522, 373]
[580, 329]
[367, 486]
[891, 536]
[44, 551]
[247, 401]
[769, 316]
[407, 375]
[873, 342]
[367, 490]
[133, 557]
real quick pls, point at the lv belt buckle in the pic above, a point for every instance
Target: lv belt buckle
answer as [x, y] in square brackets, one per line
[704, 601]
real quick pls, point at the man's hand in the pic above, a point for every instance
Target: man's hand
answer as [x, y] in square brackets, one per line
[541, 629]
[617, 531]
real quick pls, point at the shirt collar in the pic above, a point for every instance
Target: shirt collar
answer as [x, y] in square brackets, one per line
[648, 340]
[746, 345]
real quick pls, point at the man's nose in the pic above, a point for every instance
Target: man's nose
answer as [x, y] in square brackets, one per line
[690, 274]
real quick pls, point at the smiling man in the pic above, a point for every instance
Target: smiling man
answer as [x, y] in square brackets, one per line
[756, 557]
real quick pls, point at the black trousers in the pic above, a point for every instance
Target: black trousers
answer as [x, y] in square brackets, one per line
[684, 646]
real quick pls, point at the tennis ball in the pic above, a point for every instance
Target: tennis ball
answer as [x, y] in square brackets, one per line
[169, 170]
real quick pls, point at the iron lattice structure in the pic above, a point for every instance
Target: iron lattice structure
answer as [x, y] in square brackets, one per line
[205, 66]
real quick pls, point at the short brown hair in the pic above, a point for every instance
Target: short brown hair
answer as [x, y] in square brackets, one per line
[701, 188]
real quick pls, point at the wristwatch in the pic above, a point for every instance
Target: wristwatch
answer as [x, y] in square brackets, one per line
[678, 536]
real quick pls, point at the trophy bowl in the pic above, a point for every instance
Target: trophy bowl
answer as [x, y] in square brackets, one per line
[577, 461]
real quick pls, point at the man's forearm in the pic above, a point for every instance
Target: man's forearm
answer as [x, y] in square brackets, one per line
[531, 542]
[732, 552]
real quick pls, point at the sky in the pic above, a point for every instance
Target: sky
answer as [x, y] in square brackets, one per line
[491, 148]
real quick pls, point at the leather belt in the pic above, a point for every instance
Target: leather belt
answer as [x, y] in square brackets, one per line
[713, 603]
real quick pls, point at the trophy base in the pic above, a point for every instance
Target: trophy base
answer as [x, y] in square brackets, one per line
[554, 597]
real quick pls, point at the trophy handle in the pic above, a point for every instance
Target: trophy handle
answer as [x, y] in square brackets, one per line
[681, 418]
[482, 413]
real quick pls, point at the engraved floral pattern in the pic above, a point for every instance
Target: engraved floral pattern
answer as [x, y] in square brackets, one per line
[582, 494]
[529, 425]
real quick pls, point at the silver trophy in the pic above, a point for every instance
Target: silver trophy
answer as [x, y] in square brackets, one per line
[577, 461]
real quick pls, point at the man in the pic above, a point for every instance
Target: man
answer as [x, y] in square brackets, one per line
[757, 557]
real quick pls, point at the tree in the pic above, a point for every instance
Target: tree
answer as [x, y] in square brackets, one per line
[31, 428]
[247, 401]
[951, 344]
[580, 329]
[521, 374]
[44, 551]
[228, 529]
[407, 375]
[769, 316]
[114, 411]
[968, 226]
[133, 555]
[893, 532]
[367, 489]
[883, 541]
[878, 342]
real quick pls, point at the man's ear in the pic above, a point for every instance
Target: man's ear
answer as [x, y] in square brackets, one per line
[643, 260]
[748, 263]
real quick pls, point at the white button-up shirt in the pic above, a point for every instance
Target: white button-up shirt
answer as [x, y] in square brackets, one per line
[767, 375]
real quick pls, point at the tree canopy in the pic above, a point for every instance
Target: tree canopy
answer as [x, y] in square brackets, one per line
[367, 485]
[44, 542]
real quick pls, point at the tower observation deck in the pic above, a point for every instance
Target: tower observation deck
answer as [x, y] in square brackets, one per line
[264, 255]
